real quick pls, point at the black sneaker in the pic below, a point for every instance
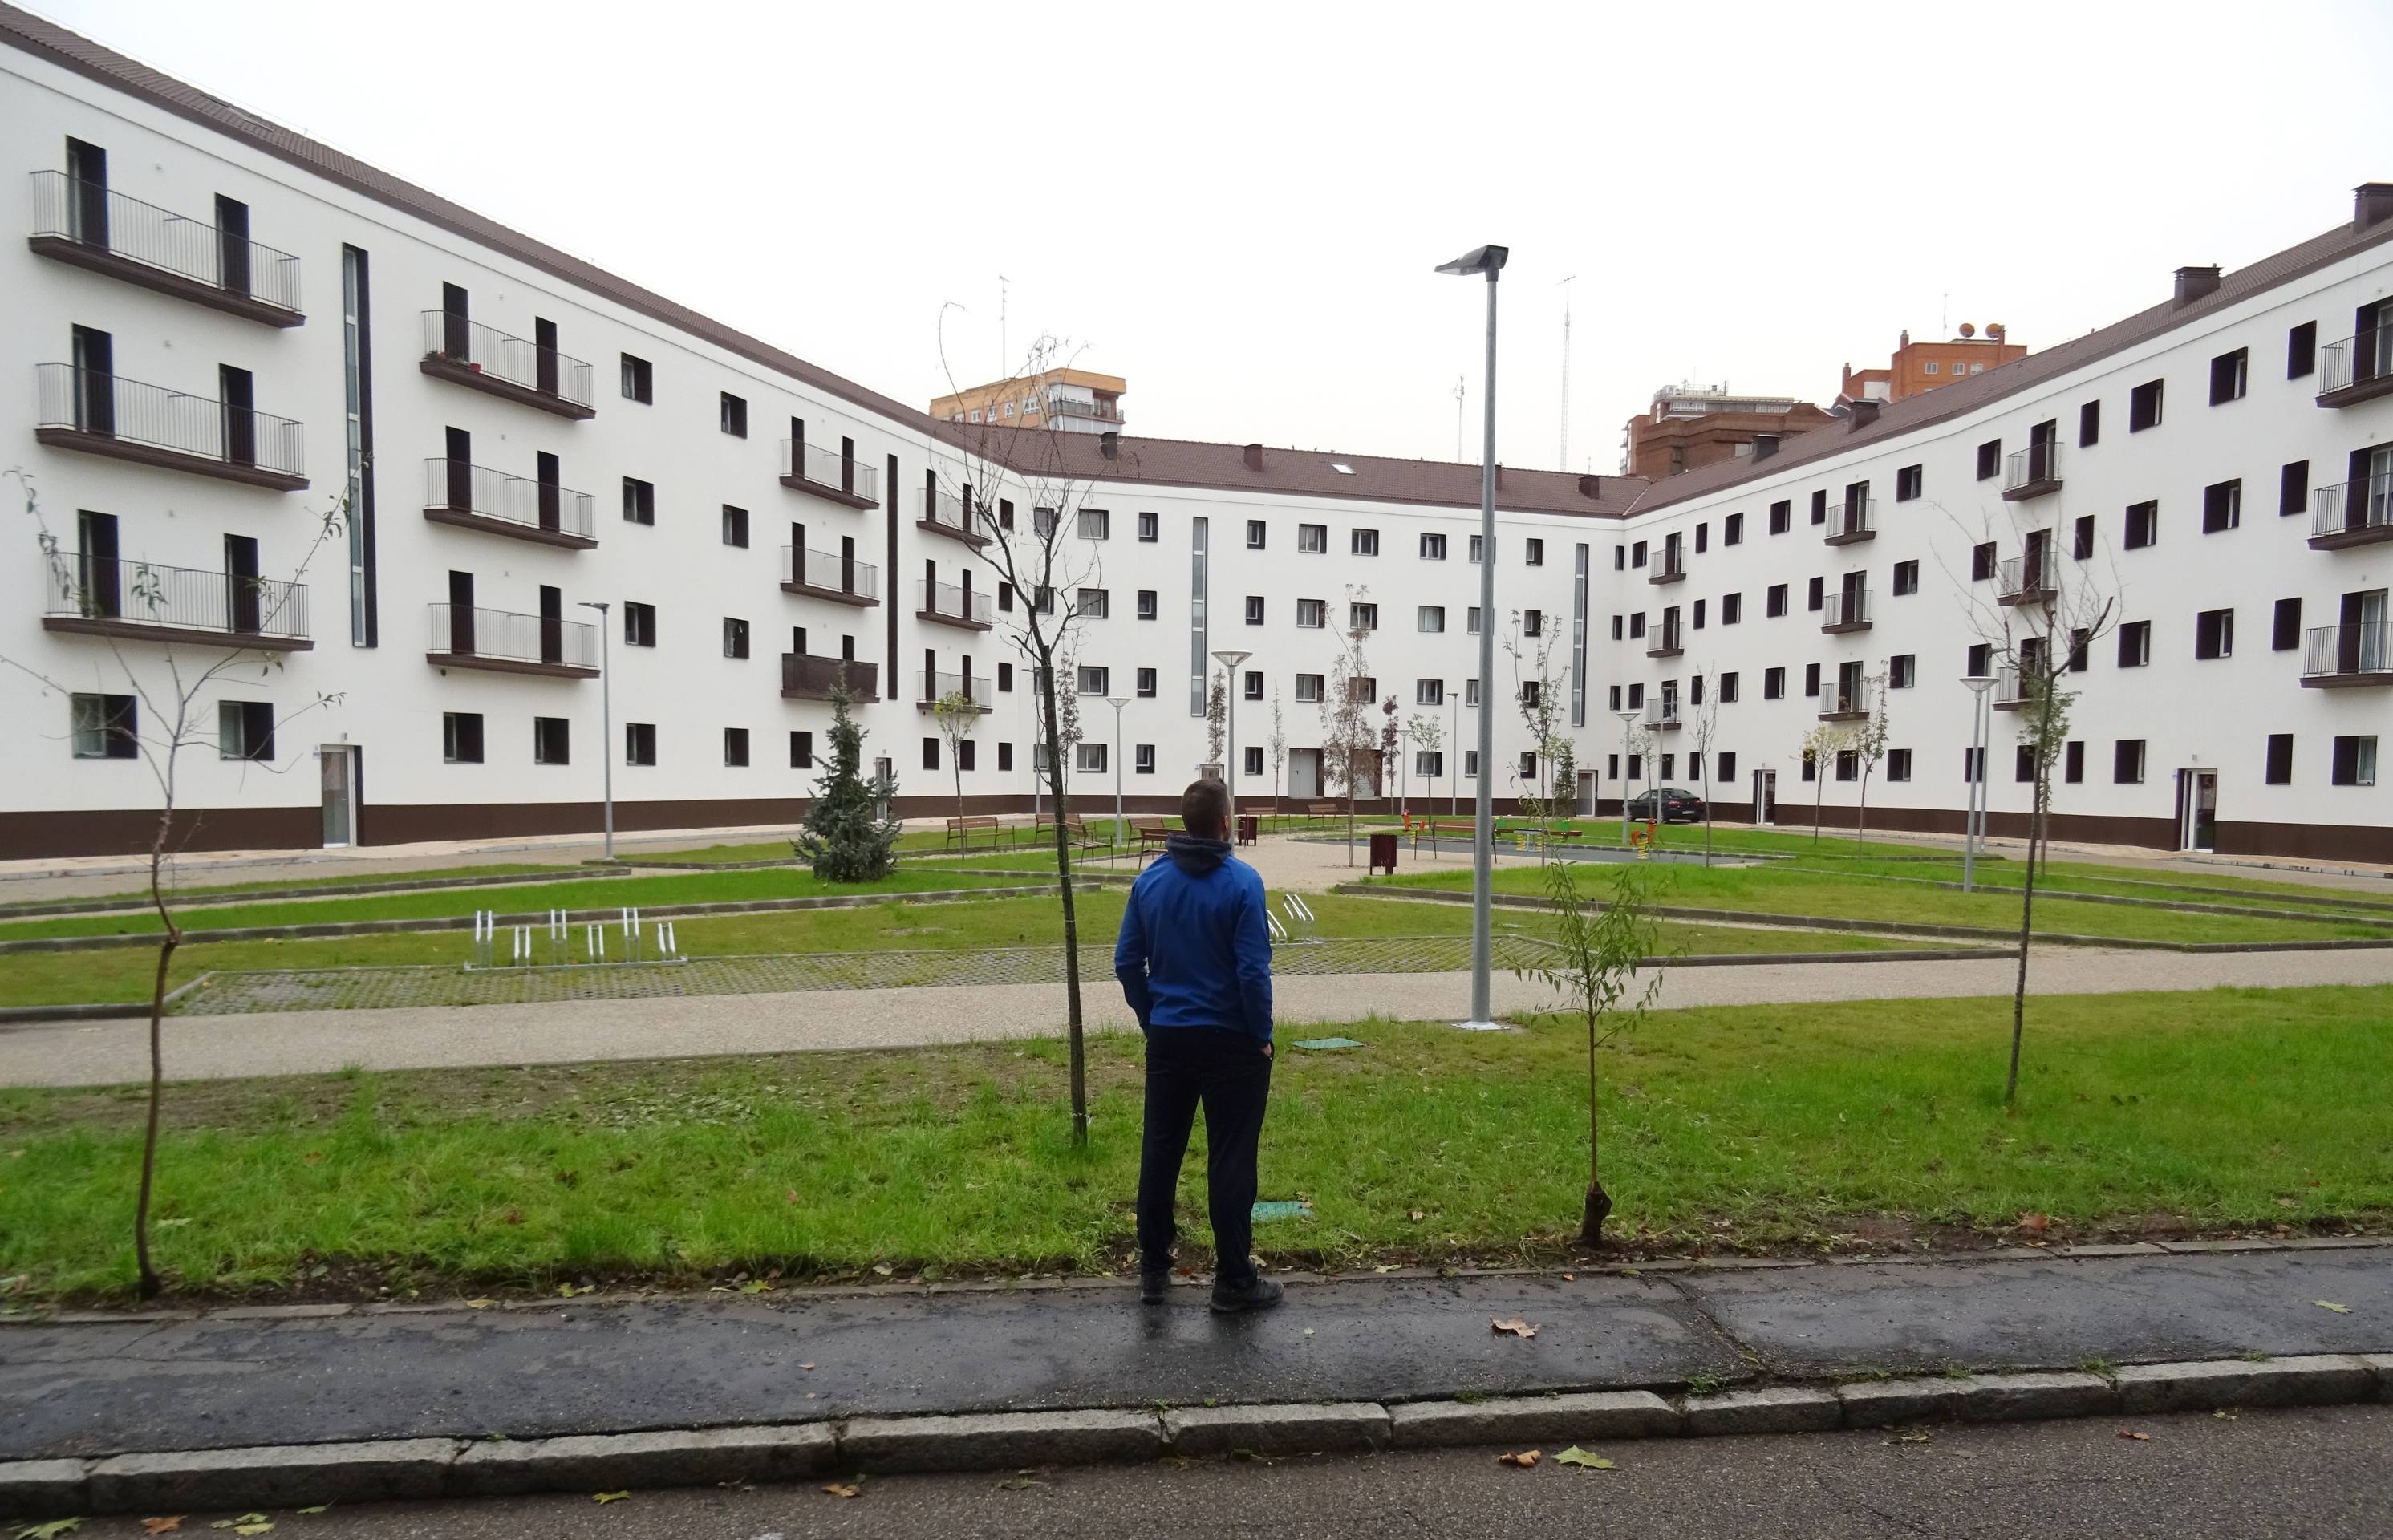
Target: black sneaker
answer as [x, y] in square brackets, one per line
[1256, 1293]
[1152, 1287]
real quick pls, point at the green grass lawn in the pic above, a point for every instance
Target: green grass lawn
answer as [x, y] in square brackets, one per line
[497, 871]
[1797, 891]
[1751, 1128]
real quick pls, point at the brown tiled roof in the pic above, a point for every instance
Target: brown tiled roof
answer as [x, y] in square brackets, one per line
[2022, 374]
[1303, 472]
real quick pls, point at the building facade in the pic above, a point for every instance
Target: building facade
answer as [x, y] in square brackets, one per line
[274, 404]
[1923, 366]
[1687, 427]
[1070, 400]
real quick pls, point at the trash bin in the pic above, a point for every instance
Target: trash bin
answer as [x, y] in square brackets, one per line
[1248, 830]
[1383, 851]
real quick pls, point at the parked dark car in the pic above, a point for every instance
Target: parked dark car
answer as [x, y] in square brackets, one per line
[1679, 806]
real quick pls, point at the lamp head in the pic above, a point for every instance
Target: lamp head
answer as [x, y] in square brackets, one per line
[1977, 682]
[1483, 259]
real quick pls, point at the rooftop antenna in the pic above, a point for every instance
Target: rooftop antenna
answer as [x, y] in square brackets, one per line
[1004, 349]
[1945, 317]
[1565, 462]
[1460, 390]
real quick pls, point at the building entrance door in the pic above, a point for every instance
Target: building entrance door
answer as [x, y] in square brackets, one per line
[2197, 802]
[340, 782]
[1765, 796]
[1304, 772]
[1585, 807]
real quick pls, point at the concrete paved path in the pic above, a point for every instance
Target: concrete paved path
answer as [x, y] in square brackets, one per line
[593, 1365]
[307, 1043]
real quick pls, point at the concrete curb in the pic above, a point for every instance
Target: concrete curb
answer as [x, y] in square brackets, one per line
[424, 1469]
[33, 1015]
[52, 909]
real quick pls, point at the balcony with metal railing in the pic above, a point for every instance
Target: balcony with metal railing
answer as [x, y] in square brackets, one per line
[107, 414]
[807, 677]
[476, 497]
[1840, 702]
[1664, 642]
[951, 606]
[1661, 714]
[829, 473]
[1843, 610]
[2034, 579]
[2010, 691]
[2352, 513]
[2360, 368]
[90, 226]
[485, 359]
[829, 575]
[2031, 472]
[465, 636]
[1852, 522]
[936, 687]
[1670, 566]
[2345, 655]
[144, 601]
[946, 513]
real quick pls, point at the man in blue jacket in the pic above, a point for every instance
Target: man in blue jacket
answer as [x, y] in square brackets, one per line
[1195, 962]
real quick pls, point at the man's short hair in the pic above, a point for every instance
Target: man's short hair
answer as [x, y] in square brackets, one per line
[1205, 809]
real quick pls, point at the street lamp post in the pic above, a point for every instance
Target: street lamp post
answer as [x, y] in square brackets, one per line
[1626, 718]
[1230, 658]
[1973, 826]
[606, 718]
[1488, 260]
[1116, 703]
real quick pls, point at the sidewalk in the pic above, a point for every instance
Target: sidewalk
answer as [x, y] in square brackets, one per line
[92, 1387]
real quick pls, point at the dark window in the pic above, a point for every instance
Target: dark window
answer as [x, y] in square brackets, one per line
[1146, 610]
[1636, 555]
[1142, 759]
[2143, 525]
[2293, 488]
[1147, 530]
[2301, 350]
[1254, 610]
[639, 743]
[2213, 634]
[2089, 424]
[2144, 407]
[551, 740]
[1474, 547]
[1902, 671]
[1775, 601]
[2222, 506]
[2023, 763]
[1732, 529]
[106, 726]
[734, 415]
[1774, 683]
[1363, 542]
[2228, 372]
[2082, 540]
[639, 501]
[1727, 683]
[1620, 558]
[1536, 553]
[639, 624]
[2279, 771]
[801, 750]
[1725, 764]
[1898, 765]
[1981, 659]
[930, 754]
[1973, 766]
[2286, 633]
[1820, 506]
[1637, 624]
[1907, 483]
[1814, 593]
[639, 380]
[1255, 534]
[2355, 761]
[964, 755]
[1616, 624]
[1696, 690]
[1981, 562]
[2127, 762]
[246, 729]
[1699, 616]
[1782, 518]
[2134, 643]
[2073, 761]
[1990, 459]
[1005, 756]
[1810, 681]
[1253, 684]
[461, 737]
[2081, 644]
[735, 637]
[1732, 608]
[735, 747]
[735, 525]
[1311, 539]
[1906, 578]
[1703, 538]
[1146, 678]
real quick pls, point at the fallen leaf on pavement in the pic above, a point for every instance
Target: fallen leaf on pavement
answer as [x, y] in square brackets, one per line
[1016, 1483]
[841, 1489]
[244, 1519]
[2222, 1415]
[50, 1530]
[266, 1528]
[1387, 1267]
[570, 1290]
[167, 1526]
[1522, 1460]
[609, 1497]
[1576, 1455]
[756, 1286]
[1419, 1215]
[478, 1304]
[2131, 1433]
[806, 1365]
[883, 1268]
[171, 1224]
[318, 1508]
[1570, 1277]
[2329, 1304]
[2034, 1222]
[1517, 1327]
[1917, 1435]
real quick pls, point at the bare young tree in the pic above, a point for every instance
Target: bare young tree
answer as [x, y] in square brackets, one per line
[1390, 733]
[1278, 744]
[1349, 742]
[1047, 558]
[1428, 735]
[1703, 724]
[1540, 708]
[957, 714]
[1217, 717]
[1821, 747]
[165, 682]
[1869, 745]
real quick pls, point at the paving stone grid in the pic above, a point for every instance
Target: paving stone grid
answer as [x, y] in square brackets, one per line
[244, 993]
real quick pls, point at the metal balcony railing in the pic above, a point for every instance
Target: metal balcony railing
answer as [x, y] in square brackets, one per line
[2026, 577]
[2010, 686]
[829, 569]
[143, 593]
[2352, 507]
[109, 405]
[961, 603]
[2038, 465]
[814, 678]
[90, 214]
[1662, 640]
[2357, 360]
[486, 350]
[466, 630]
[2363, 647]
[1838, 700]
[938, 686]
[1661, 713]
[468, 489]
[1668, 566]
[1838, 607]
[829, 469]
[947, 510]
[1853, 517]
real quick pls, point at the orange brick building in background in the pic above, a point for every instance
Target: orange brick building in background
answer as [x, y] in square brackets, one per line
[1918, 367]
[1687, 426]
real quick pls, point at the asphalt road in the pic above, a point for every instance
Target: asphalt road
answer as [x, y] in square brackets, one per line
[2251, 1476]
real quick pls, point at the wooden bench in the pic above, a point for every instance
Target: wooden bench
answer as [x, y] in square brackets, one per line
[960, 830]
[1320, 810]
[1151, 836]
[1076, 830]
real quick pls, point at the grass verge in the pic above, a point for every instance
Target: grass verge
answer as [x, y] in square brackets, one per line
[1754, 1127]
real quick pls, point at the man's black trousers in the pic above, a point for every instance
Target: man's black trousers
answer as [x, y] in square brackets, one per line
[1230, 1074]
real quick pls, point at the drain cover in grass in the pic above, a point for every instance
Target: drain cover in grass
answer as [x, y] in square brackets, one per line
[1277, 1209]
[1320, 1045]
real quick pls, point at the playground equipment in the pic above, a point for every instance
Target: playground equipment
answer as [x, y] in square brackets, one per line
[652, 941]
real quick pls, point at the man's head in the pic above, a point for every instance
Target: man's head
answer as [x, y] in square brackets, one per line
[1205, 810]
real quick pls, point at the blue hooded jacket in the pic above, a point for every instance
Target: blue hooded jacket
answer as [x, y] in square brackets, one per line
[1195, 950]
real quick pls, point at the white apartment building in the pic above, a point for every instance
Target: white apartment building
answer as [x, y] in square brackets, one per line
[221, 333]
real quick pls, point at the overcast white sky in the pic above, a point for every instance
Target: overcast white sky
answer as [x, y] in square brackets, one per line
[1238, 207]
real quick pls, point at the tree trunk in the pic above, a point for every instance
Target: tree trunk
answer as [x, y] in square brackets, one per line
[1819, 793]
[1708, 814]
[1860, 813]
[2027, 913]
[956, 754]
[1598, 1206]
[1080, 1068]
[174, 937]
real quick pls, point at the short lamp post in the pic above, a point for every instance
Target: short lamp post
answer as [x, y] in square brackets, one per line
[1116, 703]
[1229, 657]
[1625, 760]
[606, 719]
[1973, 826]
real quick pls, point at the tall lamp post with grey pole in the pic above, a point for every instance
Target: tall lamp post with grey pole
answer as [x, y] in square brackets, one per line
[1488, 260]
[1973, 826]
[606, 718]
[1626, 719]
[1229, 657]
[1116, 703]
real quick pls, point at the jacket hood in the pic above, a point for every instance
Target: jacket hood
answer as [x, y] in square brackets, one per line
[1197, 857]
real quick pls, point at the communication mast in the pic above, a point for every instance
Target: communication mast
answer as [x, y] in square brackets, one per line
[1564, 463]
